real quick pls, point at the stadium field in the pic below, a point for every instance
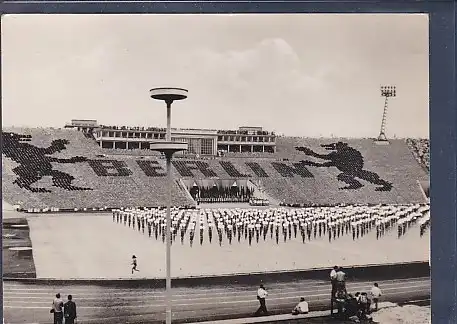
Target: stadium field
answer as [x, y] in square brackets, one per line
[93, 246]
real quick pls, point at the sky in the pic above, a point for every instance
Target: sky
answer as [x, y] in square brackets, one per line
[298, 75]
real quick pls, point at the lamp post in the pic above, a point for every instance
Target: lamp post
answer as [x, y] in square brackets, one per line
[387, 92]
[168, 148]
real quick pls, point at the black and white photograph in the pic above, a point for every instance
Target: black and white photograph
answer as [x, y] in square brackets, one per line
[227, 169]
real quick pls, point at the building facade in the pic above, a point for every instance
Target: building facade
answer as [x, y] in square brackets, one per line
[205, 142]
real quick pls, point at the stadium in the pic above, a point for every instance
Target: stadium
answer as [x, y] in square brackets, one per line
[233, 200]
[279, 173]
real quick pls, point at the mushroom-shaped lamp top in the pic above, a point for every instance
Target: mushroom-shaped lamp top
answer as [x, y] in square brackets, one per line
[168, 94]
[168, 147]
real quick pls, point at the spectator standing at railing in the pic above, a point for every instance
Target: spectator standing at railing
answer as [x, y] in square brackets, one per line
[333, 276]
[57, 309]
[333, 282]
[70, 311]
[341, 279]
[375, 294]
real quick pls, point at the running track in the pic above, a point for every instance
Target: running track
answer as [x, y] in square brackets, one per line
[30, 303]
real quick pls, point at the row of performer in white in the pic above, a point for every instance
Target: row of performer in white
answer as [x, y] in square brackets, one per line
[350, 218]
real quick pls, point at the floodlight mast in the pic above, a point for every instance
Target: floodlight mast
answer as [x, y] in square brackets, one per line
[386, 92]
[168, 148]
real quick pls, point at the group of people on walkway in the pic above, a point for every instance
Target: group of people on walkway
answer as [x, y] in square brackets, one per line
[64, 311]
[350, 306]
[300, 308]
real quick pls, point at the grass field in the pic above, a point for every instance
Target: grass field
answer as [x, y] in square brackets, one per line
[93, 246]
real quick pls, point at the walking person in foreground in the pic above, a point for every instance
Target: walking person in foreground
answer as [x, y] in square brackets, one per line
[261, 295]
[333, 282]
[57, 309]
[69, 310]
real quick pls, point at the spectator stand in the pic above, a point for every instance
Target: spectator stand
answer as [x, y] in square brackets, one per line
[421, 151]
[77, 173]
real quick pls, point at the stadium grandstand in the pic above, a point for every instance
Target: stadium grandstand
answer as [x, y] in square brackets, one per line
[86, 166]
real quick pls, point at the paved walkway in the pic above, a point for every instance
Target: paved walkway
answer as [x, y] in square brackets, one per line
[30, 303]
[270, 318]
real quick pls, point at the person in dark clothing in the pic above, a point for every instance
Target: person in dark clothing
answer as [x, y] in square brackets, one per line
[70, 310]
[364, 305]
[333, 282]
[352, 306]
[134, 264]
[340, 300]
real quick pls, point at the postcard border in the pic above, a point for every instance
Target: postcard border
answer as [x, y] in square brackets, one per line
[443, 117]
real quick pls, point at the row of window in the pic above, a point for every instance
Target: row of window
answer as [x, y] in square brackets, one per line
[125, 145]
[245, 148]
[260, 139]
[252, 139]
[244, 132]
[131, 135]
[203, 146]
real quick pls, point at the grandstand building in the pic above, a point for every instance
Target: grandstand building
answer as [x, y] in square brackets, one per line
[205, 142]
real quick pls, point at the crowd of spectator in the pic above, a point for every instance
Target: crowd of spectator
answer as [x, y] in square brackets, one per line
[243, 132]
[129, 152]
[357, 307]
[52, 160]
[256, 155]
[276, 224]
[421, 150]
[300, 191]
[161, 129]
[134, 128]
[46, 164]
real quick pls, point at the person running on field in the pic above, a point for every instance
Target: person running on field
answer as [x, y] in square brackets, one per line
[134, 264]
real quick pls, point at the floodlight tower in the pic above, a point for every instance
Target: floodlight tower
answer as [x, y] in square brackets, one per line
[168, 148]
[387, 92]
